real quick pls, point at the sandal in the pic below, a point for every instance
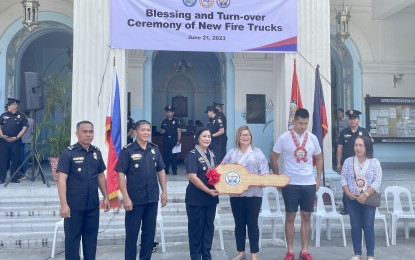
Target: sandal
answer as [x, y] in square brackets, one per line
[356, 257]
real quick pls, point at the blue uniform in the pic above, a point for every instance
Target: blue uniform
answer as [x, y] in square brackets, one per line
[82, 168]
[140, 167]
[216, 145]
[11, 125]
[200, 208]
[170, 138]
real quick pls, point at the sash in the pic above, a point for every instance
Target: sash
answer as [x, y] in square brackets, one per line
[360, 181]
[210, 164]
[300, 153]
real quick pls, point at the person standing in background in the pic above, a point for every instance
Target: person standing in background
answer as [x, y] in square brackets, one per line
[170, 129]
[215, 125]
[27, 140]
[219, 108]
[130, 129]
[13, 125]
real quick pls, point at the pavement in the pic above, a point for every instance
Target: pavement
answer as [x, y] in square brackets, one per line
[329, 250]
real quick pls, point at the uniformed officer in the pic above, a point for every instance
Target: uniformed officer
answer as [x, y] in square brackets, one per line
[219, 107]
[13, 125]
[170, 129]
[141, 163]
[345, 143]
[201, 197]
[81, 171]
[216, 127]
[130, 128]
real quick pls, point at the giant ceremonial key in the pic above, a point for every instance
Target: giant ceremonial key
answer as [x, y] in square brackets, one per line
[235, 179]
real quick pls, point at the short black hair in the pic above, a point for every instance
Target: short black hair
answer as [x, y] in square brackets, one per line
[199, 132]
[140, 123]
[83, 122]
[368, 145]
[340, 109]
[301, 112]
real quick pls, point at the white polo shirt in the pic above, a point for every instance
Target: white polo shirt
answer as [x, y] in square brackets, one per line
[301, 173]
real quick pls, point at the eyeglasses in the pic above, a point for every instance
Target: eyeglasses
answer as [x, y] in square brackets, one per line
[359, 145]
[246, 135]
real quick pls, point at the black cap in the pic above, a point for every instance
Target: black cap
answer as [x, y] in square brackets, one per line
[210, 108]
[11, 101]
[169, 108]
[217, 104]
[353, 113]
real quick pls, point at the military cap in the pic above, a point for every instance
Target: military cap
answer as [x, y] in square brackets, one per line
[169, 108]
[11, 101]
[353, 113]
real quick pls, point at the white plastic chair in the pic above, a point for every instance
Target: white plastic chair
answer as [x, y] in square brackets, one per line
[321, 214]
[397, 211]
[58, 226]
[273, 215]
[379, 216]
[219, 224]
[160, 223]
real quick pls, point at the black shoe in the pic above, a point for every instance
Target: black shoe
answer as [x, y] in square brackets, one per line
[174, 173]
[344, 212]
[15, 181]
[155, 246]
[167, 172]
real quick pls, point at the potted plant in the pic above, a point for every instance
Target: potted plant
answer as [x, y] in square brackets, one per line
[56, 118]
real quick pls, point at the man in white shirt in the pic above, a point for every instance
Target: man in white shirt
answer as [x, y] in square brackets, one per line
[298, 148]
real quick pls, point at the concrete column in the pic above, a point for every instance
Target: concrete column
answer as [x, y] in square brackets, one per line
[93, 68]
[313, 48]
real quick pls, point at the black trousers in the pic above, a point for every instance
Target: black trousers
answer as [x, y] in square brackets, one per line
[9, 152]
[168, 144]
[217, 149]
[201, 230]
[245, 211]
[144, 216]
[82, 223]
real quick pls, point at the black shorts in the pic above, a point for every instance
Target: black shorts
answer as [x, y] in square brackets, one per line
[299, 195]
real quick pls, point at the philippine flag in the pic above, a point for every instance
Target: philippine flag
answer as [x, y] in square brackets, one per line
[113, 139]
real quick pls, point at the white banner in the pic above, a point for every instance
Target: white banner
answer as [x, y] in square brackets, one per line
[205, 25]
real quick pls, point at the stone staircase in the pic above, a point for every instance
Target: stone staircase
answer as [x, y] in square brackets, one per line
[29, 211]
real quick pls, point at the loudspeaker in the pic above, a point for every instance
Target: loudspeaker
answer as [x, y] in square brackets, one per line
[34, 91]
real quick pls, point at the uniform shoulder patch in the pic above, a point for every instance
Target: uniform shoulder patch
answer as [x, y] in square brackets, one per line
[70, 148]
[153, 144]
[95, 147]
[193, 150]
[127, 145]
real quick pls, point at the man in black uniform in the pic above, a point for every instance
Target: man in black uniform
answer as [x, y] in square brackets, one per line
[219, 107]
[13, 125]
[81, 172]
[345, 143]
[142, 164]
[170, 129]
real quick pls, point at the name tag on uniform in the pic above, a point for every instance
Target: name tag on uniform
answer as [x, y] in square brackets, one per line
[78, 160]
[136, 157]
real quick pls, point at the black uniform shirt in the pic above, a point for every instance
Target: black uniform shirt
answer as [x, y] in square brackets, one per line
[214, 125]
[347, 138]
[141, 167]
[223, 117]
[170, 127]
[130, 125]
[12, 124]
[82, 168]
[194, 196]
